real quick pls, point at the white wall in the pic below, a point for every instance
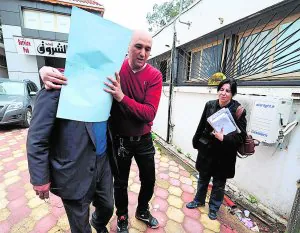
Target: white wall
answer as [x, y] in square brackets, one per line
[204, 17]
[160, 123]
[19, 66]
[269, 176]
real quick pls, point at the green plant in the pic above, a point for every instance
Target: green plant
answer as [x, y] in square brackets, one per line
[188, 155]
[153, 135]
[252, 199]
[179, 150]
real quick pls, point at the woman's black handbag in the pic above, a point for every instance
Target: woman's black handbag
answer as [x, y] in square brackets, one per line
[248, 147]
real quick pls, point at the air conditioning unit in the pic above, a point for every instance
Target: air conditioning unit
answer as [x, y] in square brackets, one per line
[268, 116]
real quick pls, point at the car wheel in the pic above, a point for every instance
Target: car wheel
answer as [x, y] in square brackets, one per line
[27, 118]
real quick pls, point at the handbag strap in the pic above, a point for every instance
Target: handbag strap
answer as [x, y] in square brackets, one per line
[239, 111]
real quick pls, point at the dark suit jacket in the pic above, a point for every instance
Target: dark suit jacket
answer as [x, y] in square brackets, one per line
[60, 151]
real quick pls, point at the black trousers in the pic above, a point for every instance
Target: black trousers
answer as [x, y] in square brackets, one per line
[143, 151]
[217, 192]
[100, 193]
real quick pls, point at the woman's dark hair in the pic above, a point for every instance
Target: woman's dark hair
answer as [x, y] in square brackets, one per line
[232, 84]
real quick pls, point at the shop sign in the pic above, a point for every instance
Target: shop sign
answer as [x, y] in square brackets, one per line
[28, 46]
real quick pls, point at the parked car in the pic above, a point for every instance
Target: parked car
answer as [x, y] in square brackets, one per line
[16, 101]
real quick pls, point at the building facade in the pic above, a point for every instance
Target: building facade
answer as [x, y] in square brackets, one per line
[256, 43]
[35, 34]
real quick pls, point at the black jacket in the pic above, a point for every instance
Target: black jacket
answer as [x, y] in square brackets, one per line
[218, 158]
[60, 151]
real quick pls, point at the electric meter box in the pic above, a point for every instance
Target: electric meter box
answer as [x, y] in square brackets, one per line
[268, 116]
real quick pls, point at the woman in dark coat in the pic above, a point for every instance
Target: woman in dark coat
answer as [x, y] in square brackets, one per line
[216, 151]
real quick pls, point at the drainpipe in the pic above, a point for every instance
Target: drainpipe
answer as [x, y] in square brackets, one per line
[173, 77]
[294, 220]
[171, 85]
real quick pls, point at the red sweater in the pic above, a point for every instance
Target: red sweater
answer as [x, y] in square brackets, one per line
[134, 115]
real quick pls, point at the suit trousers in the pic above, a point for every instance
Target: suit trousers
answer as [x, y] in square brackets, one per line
[100, 194]
[143, 152]
[217, 192]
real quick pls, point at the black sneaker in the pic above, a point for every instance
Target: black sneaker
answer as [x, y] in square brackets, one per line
[147, 218]
[212, 214]
[104, 230]
[122, 224]
[194, 204]
[93, 224]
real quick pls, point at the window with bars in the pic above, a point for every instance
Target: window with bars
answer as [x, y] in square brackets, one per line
[254, 53]
[203, 63]
[287, 52]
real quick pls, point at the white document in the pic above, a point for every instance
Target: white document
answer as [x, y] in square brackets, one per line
[223, 119]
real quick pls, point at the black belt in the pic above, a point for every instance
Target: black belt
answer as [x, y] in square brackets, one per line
[135, 138]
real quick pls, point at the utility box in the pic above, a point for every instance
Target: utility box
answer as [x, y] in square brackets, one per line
[268, 116]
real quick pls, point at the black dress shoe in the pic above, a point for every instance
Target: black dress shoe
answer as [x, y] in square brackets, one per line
[93, 224]
[146, 217]
[212, 214]
[194, 204]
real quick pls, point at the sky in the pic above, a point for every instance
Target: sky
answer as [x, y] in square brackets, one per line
[129, 13]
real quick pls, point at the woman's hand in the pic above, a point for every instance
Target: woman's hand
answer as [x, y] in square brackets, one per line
[219, 135]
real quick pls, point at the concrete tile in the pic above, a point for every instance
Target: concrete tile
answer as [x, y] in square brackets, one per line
[3, 194]
[163, 164]
[55, 229]
[174, 175]
[11, 180]
[8, 159]
[174, 227]
[191, 225]
[187, 188]
[5, 226]
[192, 213]
[133, 230]
[187, 197]
[160, 204]
[163, 184]
[22, 163]
[185, 173]
[35, 202]
[164, 159]
[208, 231]
[173, 163]
[26, 225]
[63, 223]
[11, 174]
[174, 182]
[135, 188]
[175, 214]
[212, 225]
[137, 224]
[175, 191]
[3, 203]
[174, 169]
[132, 174]
[45, 224]
[39, 212]
[161, 192]
[186, 180]
[4, 213]
[175, 201]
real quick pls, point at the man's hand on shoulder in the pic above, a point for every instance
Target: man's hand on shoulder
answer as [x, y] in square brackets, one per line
[115, 88]
[42, 190]
[52, 78]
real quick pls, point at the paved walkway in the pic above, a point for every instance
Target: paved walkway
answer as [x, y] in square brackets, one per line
[21, 211]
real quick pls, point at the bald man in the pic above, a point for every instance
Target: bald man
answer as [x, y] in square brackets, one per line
[136, 92]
